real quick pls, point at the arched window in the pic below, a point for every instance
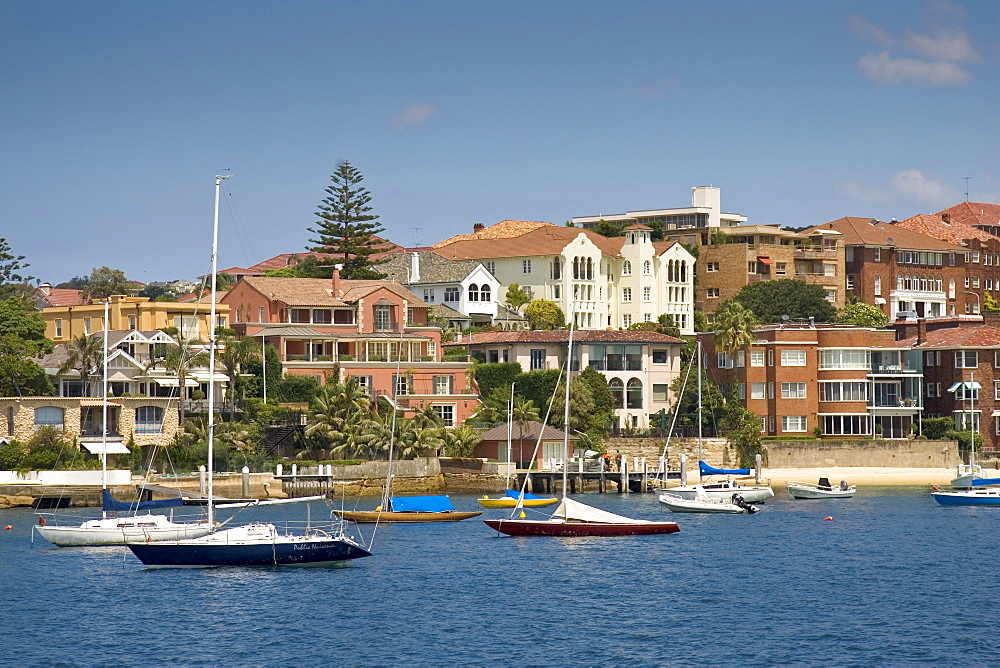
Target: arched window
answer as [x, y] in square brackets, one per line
[49, 416]
[684, 271]
[556, 269]
[626, 268]
[618, 391]
[590, 268]
[473, 292]
[484, 293]
[647, 268]
[634, 393]
[576, 267]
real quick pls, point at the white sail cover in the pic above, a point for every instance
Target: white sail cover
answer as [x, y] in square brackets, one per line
[571, 510]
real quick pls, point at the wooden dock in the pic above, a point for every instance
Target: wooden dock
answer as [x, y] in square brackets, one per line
[635, 476]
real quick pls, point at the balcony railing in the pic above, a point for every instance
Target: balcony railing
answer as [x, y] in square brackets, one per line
[893, 369]
[611, 365]
[357, 358]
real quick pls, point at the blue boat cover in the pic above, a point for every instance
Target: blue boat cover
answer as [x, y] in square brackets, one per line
[983, 482]
[709, 470]
[513, 493]
[111, 504]
[421, 504]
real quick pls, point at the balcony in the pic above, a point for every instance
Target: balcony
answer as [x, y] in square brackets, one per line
[815, 252]
[616, 365]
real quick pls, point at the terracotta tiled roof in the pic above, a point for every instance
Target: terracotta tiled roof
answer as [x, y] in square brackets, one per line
[662, 246]
[974, 213]
[531, 429]
[63, 297]
[871, 232]
[984, 336]
[516, 238]
[562, 336]
[290, 259]
[319, 291]
[953, 232]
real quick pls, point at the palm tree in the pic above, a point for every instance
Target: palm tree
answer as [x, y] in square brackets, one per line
[180, 359]
[734, 327]
[523, 412]
[235, 355]
[460, 441]
[85, 353]
[338, 417]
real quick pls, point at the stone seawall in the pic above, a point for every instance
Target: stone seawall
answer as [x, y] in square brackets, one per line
[714, 451]
[877, 453]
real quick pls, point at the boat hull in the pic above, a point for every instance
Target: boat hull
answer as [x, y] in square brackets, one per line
[254, 545]
[103, 532]
[507, 502]
[968, 498]
[371, 516]
[679, 505]
[562, 528]
[804, 491]
[750, 494]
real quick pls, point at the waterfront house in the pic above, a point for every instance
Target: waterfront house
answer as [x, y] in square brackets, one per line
[523, 438]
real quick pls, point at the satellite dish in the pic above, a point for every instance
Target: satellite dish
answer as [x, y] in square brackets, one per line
[785, 317]
[889, 241]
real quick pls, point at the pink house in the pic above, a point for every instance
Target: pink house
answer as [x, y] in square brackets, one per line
[377, 331]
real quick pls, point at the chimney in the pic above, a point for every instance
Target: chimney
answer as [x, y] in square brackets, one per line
[336, 280]
[45, 289]
[477, 228]
[921, 331]
[415, 268]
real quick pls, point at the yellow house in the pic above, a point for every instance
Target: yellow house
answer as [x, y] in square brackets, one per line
[65, 323]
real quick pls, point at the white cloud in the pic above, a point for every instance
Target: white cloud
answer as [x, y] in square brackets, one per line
[415, 113]
[870, 31]
[883, 68]
[914, 183]
[944, 44]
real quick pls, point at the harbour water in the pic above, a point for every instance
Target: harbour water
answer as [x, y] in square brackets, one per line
[892, 579]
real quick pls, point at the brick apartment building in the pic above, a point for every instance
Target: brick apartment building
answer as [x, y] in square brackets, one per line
[850, 382]
[898, 269]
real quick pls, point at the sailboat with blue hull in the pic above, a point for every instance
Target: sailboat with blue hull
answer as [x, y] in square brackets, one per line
[257, 543]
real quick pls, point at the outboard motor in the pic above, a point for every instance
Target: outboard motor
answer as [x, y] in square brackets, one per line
[740, 503]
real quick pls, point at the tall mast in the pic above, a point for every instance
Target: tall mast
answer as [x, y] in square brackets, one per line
[698, 362]
[104, 411]
[510, 430]
[569, 366]
[211, 354]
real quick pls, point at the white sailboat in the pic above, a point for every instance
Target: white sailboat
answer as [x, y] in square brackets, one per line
[258, 543]
[113, 530]
[573, 518]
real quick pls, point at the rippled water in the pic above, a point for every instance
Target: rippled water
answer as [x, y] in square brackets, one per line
[894, 578]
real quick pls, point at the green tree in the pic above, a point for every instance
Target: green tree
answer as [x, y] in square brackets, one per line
[865, 315]
[295, 388]
[85, 354]
[608, 229]
[769, 300]
[544, 314]
[516, 297]
[741, 429]
[460, 441]
[668, 326]
[308, 266]
[256, 367]
[10, 270]
[990, 304]
[712, 401]
[490, 376]
[105, 282]
[234, 357]
[22, 340]
[346, 227]
[180, 359]
[734, 324]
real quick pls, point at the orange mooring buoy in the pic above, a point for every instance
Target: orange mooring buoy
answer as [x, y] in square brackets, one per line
[827, 518]
[8, 528]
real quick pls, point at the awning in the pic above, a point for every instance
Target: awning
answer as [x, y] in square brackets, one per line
[114, 448]
[880, 300]
[765, 260]
[966, 385]
[174, 382]
[204, 377]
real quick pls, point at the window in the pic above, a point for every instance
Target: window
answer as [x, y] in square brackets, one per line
[930, 390]
[446, 412]
[757, 390]
[260, 314]
[966, 359]
[975, 281]
[525, 266]
[779, 268]
[626, 268]
[975, 256]
[793, 390]
[770, 358]
[770, 390]
[556, 271]
[878, 284]
[148, 420]
[48, 416]
[844, 359]
[58, 328]
[712, 266]
[444, 384]
[626, 294]
[659, 392]
[793, 358]
[383, 318]
[793, 423]
[485, 293]
[966, 420]
[86, 321]
[132, 320]
[626, 320]
[878, 255]
[187, 326]
[473, 292]
[996, 389]
[724, 361]
[364, 382]
[660, 357]
[951, 291]
[452, 294]
[996, 359]
[537, 359]
[756, 358]
[633, 393]
[951, 259]
[617, 388]
[965, 394]
[853, 425]
[491, 267]
[647, 294]
[752, 267]
[647, 268]
[401, 383]
[429, 295]
[322, 316]
[843, 391]
[713, 292]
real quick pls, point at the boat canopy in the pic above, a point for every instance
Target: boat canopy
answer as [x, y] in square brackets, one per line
[710, 470]
[984, 482]
[513, 493]
[111, 504]
[422, 504]
[575, 511]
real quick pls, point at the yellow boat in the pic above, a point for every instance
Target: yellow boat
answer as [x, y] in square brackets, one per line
[509, 501]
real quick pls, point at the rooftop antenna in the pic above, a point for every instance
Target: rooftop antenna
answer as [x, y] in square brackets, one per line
[417, 230]
[967, 187]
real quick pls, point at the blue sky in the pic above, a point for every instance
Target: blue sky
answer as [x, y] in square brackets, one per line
[116, 116]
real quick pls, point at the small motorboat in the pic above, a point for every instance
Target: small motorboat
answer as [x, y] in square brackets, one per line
[821, 490]
[703, 503]
[510, 500]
